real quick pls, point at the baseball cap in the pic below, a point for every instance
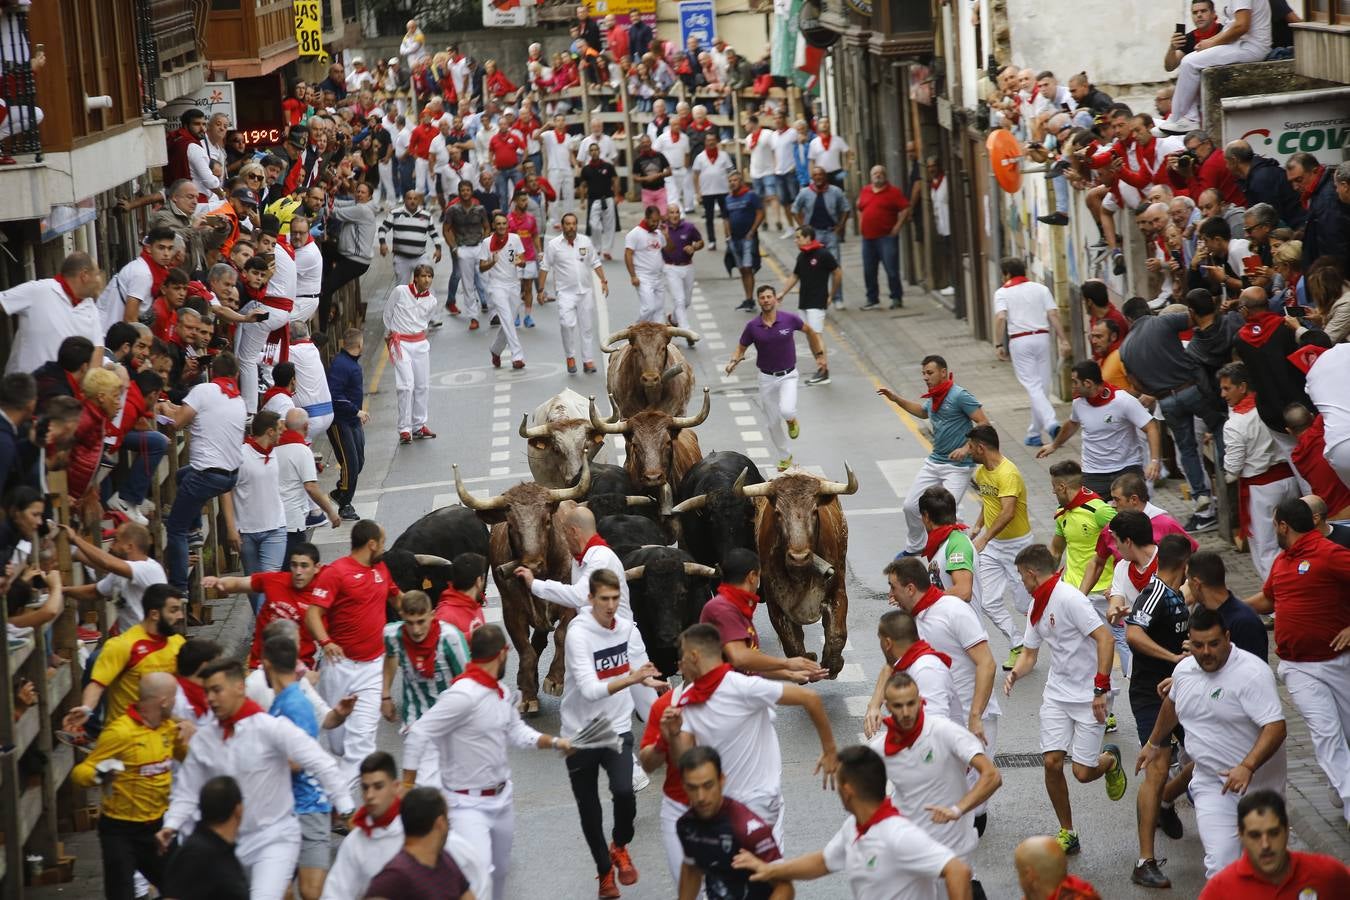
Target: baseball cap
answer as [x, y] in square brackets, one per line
[245, 194]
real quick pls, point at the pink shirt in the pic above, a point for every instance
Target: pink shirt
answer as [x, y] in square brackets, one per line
[1163, 524]
[524, 225]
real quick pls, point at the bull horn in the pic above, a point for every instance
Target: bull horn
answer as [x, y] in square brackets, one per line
[672, 372]
[604, 427]
[528, 431]
[835, 487]
[639, 500]
[698, 570]
[606, 344]
[667, 500]
[673, 332]
[822, 565]
[576, 491]
[690, 505]
[634, 573]
[470, 500]
[692, 421]
[428, 559]
[741, 489]
[613, 408]
[507, 569]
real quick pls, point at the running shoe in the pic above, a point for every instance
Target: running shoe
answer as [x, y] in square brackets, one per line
[1056, 218]
[1116, 780]
[529, 321]
[747, 305]
[571, 365]
[348, 513]
[1148, 875]
[496, 359]
[517, 321]
[435, 323]
[131, 511]
[405, 437]
[641, 780]
[822, 376]
[1068, 841]
[1054, 432]
[495, 321]
[1202, 522]
[588, 368]
[794, 430]
[784, 464]
[1118, 263]
[609, 889]
[518, 364]
[1034, 441]
[623, 865]
[875, 304]
[1111, 725]
[452, 309]
[424, 434]
[473, 324]
[897, 304]
[1011, 661]
[1170, 822]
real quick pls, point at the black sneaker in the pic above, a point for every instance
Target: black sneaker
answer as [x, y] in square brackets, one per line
[348, 513]
[1150, 876]
[1202, 522]
[746, 306]
[1118, 263]
[897, 304]
[875, 304]
[1056, 218]
[495, 321]
[1170, 823]
[822, 376]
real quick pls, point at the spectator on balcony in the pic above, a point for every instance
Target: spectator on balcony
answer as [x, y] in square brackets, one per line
[1206, 22]
[1212, 205]
[191, 130]
[137, 284]
[588, 30]
[102, 395]
[1326, 231]
[61, 375]
[413, 46]
[1201, 166]
[52, 309]
[1091, 101]
[18, 402]
[496, 84]
[296, 107]
[640, 37]
[1246, 38]
[1261, 181]
[207, 158]
[359, 78]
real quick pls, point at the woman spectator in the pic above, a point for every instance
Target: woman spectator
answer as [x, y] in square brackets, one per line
[641, 88]
[21, 530]
[102, 398]
[1287, 261]
[496, 84]
[1328, 291]
[236, 153]
[296, 107]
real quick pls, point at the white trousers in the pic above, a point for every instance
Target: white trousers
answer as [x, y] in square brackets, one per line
[318, 425]
[1261, 503]
[268, 856]
[996, 572]
[354, 739]
[778, 396]
[248, 383]
[564, 183]
[412, 378]
[1216, 820]
[1187, 95]
[956, 479]
[671, 810]
[770, 809]
[576, 321]
[601, 220]
[422, 176]
[387, 192]
[1338, 457]
[404, 265]
[1031, 364]
[651, 299]
[467, 260]
[488, 824]
[502, 303]
[680, 292]
[673, 198]
[1321, 691]
[684, 181]
[815, 318]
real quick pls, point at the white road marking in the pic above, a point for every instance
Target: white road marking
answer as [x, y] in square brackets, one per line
[501, 441]
[368, 509]
[850, 673]
[501, 456]
[857, 706]
[758, 452]
[745, 420]
[717, 345]
[900, 473]
[752, 437]
[501, 412]
[500, 470]
[738, 406]
[440, 500]
[492, 614]
[501, 426]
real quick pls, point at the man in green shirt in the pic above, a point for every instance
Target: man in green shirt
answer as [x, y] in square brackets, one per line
[950, 553]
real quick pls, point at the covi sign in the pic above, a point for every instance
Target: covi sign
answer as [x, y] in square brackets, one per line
[1320, 127]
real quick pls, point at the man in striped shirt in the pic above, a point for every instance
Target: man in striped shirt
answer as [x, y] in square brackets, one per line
[428, 653]
[411, 229]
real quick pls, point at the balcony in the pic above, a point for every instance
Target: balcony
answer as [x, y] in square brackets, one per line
[340, 27]
[891, 29]
[248, 38]
[173, 63]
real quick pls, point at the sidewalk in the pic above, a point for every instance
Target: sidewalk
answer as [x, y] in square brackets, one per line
[890, 344]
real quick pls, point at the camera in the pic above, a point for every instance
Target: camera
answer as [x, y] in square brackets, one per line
[1187, 159]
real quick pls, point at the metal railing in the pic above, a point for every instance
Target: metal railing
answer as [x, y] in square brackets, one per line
[147, 58]
[18, 89]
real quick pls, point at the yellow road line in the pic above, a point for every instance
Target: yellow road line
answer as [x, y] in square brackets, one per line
[379, 372]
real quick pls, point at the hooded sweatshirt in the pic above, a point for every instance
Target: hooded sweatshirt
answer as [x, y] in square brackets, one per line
[596, 655]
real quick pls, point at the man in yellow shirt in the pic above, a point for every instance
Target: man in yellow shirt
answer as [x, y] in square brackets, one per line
[1002, 530]
[133, 761]
[151, 646]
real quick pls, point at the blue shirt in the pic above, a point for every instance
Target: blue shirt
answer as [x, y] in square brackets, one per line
[292, 704]
[346, 387]
[1245, 628]
[741, 210]
[951, 423]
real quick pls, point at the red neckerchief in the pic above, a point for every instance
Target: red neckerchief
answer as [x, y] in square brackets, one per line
[650, 229]
[743, 600]
[291, 437]
[745, 189]
[938, 392]
[810, 245]
[1040, 598]
[1140, 151]
[1310, 186]
[1246, 404]
[930, 596]
[498, 241]
[1139, 579]
[195, 694]
[228, 386]
[825, 141]
[284, 243]
[918, 649]
[886, 810]
[1102, 397]
[701, 689]
[76, 390]
[412, 289]
[1203, 35]
[476, 673]
[560, 135]
[595, 541]
[158, 273]
[361, 819]
[266, 452]
[936, 183]
[1261, 329]
[246, 709]
[711, 153]
[422, 654]
[1013, 282]
[937, 536]
[136, 717]
[1082, 498]
[1304, 357]
[695, 125]
[897, 740]
[273, 391]
[65, 286]
[754, 137]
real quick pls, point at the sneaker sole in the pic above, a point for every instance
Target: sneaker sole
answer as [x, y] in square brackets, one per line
[1123, 780]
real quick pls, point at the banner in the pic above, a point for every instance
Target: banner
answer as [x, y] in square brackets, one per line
[505, 13]
[213, 97]
[309, 28]
[1316, 122]
[698, 18]
[602, 8]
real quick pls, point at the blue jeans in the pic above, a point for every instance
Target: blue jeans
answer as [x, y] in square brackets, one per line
[404, 179]
[505, 186]
[149, 447]
[262, 551]
[1061, 186]
[1180, 410]
[884, 250]
[830, 241]
[479, 285]
[195, 489]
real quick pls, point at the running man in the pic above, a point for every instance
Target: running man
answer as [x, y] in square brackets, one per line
[816, 271]
[771, 333]
[501, 257]
[407, 314]
[523, 224]
[572, 259]
[646, 267]
[1001, 532]
[1025, 315]
[682, 242]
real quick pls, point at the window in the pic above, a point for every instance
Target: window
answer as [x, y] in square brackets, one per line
[1330, 12]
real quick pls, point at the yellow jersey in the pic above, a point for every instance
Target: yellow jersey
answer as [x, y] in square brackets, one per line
[1004, 480]
[125, 658]
[141, 793]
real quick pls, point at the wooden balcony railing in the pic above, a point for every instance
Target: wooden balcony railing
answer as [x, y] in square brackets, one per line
[173, 27]
[250, 30]
[18, 131]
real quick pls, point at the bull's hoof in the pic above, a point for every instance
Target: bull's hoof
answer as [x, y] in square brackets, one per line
[833, 665]
[528, 707]
[810, 654]
[552, 688]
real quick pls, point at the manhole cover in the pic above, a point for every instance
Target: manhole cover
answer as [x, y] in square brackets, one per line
[1018, 760]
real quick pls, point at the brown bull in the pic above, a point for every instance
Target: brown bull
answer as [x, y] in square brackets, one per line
[524, 532]
[802, 538]
[660, 447]
[647, 372]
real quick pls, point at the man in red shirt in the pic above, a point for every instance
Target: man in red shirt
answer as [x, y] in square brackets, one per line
[506, 149]
[419, 146]
[461, 604]
[1098, 305]
[1309, 458]
[286, 595]
[883, 210]
[347, 618]
[1202, 168]
[1309, 586]
[1267, 868]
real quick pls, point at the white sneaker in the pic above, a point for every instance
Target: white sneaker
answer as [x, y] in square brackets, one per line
[1179, 126]
[948, 291]
[640, 779]
[117, 504]
[147, 507]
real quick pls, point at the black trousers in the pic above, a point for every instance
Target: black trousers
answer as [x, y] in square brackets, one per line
[583, 769]
[129, 847]
[349, 444]
[335, 277]
[711, 203]
[1100, 482]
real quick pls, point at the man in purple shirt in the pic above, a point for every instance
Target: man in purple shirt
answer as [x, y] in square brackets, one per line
[423, 868]
[772, 334]
[682, 242]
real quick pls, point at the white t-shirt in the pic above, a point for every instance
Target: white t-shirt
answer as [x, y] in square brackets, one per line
[1258, 32]
[279, 404]
[126, 593]
[932, 772]
[940, 696]
[737, 721]
[1109, 432]
[1224, 711]
[952, 627]
[831, 160]
[712, 176]
[308, 277]
[894, 860]
[609, 151]
[133, 280]
[784, 142]
[573, 265]
[1326, 387]
[46, 318]
[762, 155]
[505, 273]
[1065, 627]
[557, 153]
[1121, 586]
[311, 381]
[646, 246]
[217, 430]
[1026, 306]
[675, 151]
[295, 467]
[257, 493]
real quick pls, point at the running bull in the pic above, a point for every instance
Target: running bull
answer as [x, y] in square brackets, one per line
[559, 435]
[667, 590]
[660, 447]
[713, 518]
[420, 559]
[647, 372]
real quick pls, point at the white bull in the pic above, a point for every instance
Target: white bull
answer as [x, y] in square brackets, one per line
[560, 435]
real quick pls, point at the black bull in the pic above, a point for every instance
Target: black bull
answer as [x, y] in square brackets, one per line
[419, 559]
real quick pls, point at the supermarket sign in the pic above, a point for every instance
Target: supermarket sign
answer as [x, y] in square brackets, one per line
[1280, 125]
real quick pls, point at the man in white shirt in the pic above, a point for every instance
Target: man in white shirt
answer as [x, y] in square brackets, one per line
[308, 269]
[255, 519]
[785, 167]
[829, 151]
[761, 145]
[407, 312]
[908, 654]
[279, 296]
[1073, 707]
[376, 835]
[1225, 699]
[312, 393]
[501, 258]
[298, 477]
[132, 289]
[251, 337]
[471, 725]
[1025, 313]
[882, 855]
[609, 151]
[646, 267]
[711, 171]
[52, 309]
[572, 259]
[673, 144]
[1326, 382]
[129, 571]
[1245, 38]
[206, 158]
[560, 166]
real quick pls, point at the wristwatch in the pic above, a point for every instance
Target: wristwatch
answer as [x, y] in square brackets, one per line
[1098, 692]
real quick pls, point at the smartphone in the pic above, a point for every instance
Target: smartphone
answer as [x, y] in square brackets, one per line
[1181, 28]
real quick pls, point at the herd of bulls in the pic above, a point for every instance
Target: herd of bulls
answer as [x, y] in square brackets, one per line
[670, 513]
